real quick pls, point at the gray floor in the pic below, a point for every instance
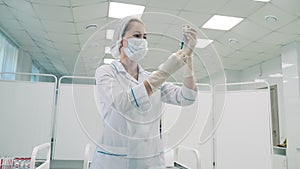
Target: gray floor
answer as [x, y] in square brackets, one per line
[76, 164]
[66, 164]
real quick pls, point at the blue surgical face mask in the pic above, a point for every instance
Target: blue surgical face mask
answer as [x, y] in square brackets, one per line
[137, 49]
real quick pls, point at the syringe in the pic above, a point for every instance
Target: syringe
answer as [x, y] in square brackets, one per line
[182, 40]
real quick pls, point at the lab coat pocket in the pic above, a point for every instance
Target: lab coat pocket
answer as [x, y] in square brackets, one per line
[106, 160]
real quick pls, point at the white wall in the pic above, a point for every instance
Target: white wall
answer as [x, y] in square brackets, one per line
[290, 54]
[26, 116]
[231, 76]
[24, 64]
[262, 71]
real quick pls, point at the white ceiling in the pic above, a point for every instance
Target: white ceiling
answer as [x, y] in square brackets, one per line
[53, 31]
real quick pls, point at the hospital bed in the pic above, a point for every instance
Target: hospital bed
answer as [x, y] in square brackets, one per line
[41, 164]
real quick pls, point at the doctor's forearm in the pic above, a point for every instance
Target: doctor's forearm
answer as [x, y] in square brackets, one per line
[189, 82]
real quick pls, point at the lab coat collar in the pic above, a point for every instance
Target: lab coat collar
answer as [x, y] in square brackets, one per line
[117, 65]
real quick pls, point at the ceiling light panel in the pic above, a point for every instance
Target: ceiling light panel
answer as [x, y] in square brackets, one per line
[262, 0]
[286, 65]
[222, 22]
[108, 61]
[107, 50]
[276, 75]
[202, 43]
[109, 33]
[120, 10]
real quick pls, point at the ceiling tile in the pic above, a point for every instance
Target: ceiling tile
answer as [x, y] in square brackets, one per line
[239, 55]
[33, 26]
[31, 49]
[62, 38]
[278, 38]
[52, 2]
[23, 6]
[5, 12]
[47, 12]
[290, 6]
[209, 7]
[89, 12]
[90, 52]
[228, 36]
[261, 57]
[270, 55]
[211, 33]
[28, 22]
[228, 64]
[9, 25]
[76, 3]
[239, 8]
[39, 55]
[153, 39]
[293, 27]
[46, 46]
[174, 32]
[238, 66]
[69, 66]
[223, 49]
[37, 34]
[50, 52]
[81, 26]
[269, 9]
[83, 38]
[60, 67]
[19, 35]
[169, 44]
[166, 4]
[154, 58]
[156, 29]
[153, 13]
[59, 27]
[110, 22]
[250, 30]
[261, 47]
[66, 46]
[245, 64]
[197, 19]
[70, 54]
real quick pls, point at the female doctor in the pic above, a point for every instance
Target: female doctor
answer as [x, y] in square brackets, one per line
[131, 99]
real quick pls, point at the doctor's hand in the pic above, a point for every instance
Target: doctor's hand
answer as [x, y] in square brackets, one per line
[190, 39]
[174, 62]
[170, 66]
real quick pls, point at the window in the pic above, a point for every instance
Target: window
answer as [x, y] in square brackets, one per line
[34, 69]
[8, 57]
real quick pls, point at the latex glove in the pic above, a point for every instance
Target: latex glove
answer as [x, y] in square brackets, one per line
[190, 39]
[188, 67]
[170, 66]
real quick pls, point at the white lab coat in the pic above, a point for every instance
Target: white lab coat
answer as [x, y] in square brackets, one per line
[131, 136]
